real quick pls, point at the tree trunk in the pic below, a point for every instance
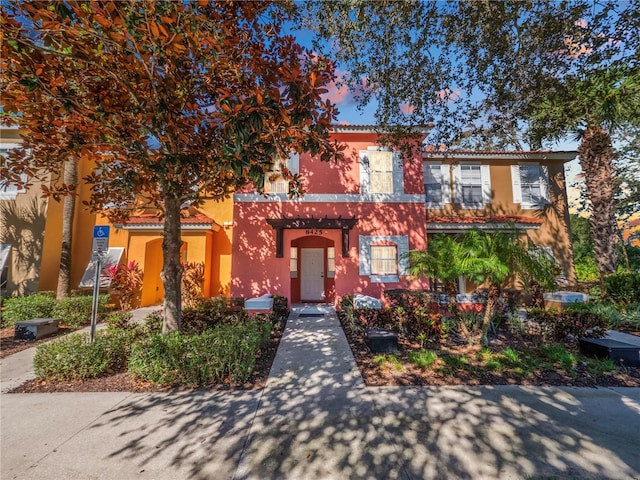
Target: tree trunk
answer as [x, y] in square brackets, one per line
[489, 312]
[172, 267]
[70, 177]
[596, 159]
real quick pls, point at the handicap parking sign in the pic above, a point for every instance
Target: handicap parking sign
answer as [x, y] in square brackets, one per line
[101, 231]
[100, 239]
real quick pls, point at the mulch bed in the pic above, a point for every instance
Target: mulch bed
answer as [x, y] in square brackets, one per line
[410, 375]
[123, 382]
[372, 372]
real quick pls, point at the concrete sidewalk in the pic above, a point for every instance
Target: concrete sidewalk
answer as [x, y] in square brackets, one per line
[317, 419]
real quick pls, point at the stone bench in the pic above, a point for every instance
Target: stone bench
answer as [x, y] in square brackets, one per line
[623, 349]
[35, 328]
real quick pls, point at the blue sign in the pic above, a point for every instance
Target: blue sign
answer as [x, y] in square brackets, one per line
[101, 231]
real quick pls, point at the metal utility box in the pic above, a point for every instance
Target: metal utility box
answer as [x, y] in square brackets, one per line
[35, 328]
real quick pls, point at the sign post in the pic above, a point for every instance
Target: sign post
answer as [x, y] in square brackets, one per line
[99, 249]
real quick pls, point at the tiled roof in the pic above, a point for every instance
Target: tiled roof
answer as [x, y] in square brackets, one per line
[564, 155]
[433, 149]
[351, 128]
[190, 219]
[153, 219]
[471, 220]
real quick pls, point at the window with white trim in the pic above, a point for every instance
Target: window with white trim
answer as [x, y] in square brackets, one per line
[472, 184]
[10, 192]
[530, 183]
[437, 187]
[381, 172]
[275, 182]
[384, 260]
[331, 262]
[293, 262]
[383, 257]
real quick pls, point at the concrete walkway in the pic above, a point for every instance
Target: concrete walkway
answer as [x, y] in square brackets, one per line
[317, 420]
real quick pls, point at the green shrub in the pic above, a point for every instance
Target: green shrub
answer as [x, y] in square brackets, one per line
[37, 305]
[74, 357]
[210, 312]
[199, 360]
[75, 312]
[415, 312]
[468, 326]
[152, 323]
[281, 308]
[631, 318]
[388, 361]
[578, 320]
[511, 358]
[587, 270]
[346, 308]
[559, 354]
[119, 320]
[423, 358]
[622, 288]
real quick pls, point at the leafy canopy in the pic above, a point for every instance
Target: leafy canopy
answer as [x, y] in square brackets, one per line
[187, 99]
[476, 67]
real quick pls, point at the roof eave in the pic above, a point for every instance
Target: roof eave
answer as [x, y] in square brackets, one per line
[559, 156]
[465, 227]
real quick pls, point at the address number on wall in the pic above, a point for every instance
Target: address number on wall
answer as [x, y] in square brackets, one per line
[313, 231]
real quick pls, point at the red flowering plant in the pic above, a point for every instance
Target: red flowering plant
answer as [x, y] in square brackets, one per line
[126, 282]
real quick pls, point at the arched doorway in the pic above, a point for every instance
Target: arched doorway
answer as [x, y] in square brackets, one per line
[313, 268]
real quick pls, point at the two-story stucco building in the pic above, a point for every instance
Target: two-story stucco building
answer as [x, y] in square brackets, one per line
[348, 234]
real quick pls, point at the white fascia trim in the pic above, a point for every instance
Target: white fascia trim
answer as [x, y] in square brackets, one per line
[331, 198]
[464, 227]
[564, 156]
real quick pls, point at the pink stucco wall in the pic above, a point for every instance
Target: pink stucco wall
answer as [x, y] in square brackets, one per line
[255, 268]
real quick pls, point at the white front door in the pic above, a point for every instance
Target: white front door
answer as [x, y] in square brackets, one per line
[312, 274]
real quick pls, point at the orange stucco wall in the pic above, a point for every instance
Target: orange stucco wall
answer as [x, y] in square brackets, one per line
[554, 231]
[83, 224]
[212, 247]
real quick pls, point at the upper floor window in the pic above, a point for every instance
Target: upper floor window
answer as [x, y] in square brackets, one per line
[530, 183]
[380, 172]
[436, 184]
[472, 184]
[10, 192]
[274, 181]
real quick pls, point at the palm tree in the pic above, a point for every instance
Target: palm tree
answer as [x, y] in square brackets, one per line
[439, 260]
[594, 108]
[491, 259]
